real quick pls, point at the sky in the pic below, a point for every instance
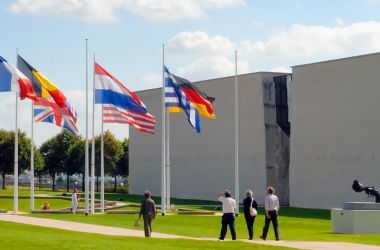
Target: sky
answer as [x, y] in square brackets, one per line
[200, 37]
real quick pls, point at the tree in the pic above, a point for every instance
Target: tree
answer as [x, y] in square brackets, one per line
[39, 166]
[113, 150]
[7, 139]
[50, 157]
[67, 140]
[6, 154]
[56, 153]
[75, 158]
[123, 164]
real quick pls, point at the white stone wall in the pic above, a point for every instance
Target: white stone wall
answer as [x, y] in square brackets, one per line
[202, 165]
[335, 131]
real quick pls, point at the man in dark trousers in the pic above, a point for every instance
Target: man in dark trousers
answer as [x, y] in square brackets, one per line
[148, 211]
[249, 219]
[229, 211]
[272, 206]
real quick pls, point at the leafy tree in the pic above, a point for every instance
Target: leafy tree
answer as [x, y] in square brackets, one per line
[56, 153]
[50, 157]
[39, 166]
[75, 158]
[7, 153]
[123, 164]
[113, 150]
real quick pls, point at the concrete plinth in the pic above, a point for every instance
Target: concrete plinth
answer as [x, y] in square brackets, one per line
[356, 218]
[361, 206]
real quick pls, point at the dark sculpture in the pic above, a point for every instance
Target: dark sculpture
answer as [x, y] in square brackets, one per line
[370, 191]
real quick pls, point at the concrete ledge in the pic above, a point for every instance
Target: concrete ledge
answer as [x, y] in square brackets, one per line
[361, 206]
[195, 212]
[355, 221]
[53, 212]
[122, 212]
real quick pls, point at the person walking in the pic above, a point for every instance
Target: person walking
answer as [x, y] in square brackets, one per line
[74, 201]
[249, 203]
[148, 212]
[272, 207]
[229, 211]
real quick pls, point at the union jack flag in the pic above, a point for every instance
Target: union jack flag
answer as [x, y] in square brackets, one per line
[51, 105]
[46, 110]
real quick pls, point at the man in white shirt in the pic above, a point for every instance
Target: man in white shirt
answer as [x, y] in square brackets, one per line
[228, 218]
[271, 209]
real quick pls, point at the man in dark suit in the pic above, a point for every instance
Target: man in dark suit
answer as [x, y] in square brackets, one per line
[148, 211]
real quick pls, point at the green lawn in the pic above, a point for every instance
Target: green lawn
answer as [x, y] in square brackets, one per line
[295, 224]
[18, 236]
[24, 204]
[25, 191]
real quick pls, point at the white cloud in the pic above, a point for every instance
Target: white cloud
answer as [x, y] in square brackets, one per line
[200, 43]
[282, 69]
[295, 45]
[105, 10]
[211, 67]
[151, 80]
[339, 22]
[302, 40]
[175, 9]
[87, 10]
[258, 24]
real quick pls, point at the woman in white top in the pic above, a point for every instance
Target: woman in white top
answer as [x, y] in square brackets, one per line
[74, 201]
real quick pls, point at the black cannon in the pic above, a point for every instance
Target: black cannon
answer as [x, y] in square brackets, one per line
[370, 191]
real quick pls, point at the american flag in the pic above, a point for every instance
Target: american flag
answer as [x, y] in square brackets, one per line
[120, 105]
[142, 122]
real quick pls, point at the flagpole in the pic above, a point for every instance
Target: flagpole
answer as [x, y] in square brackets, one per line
[163, 146]
[167, 161]
[86, 184]
[93, 145]
[236, 136]
[32, 163]
[15, 174]
[102, 167]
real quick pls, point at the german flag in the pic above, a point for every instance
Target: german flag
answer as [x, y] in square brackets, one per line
[200, 100]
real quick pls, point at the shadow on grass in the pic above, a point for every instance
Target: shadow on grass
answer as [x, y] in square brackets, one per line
[321, 214]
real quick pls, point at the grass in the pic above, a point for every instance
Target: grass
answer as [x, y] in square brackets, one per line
[24, 204]
[138, 198]
[301, 228]
[129, 198]
[25, 191]
[18, 236]
[295, 223]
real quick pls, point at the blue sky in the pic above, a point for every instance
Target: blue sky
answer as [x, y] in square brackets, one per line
[200, 38]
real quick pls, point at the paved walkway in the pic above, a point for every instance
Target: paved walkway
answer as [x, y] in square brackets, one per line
[115, 231]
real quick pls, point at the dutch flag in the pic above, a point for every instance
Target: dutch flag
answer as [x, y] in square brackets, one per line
[120, 105]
